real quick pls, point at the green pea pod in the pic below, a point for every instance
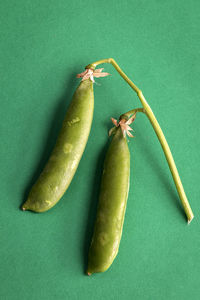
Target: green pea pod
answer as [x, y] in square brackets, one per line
[64, 160]
[112, 205]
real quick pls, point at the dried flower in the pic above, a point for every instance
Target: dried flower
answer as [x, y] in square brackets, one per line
[124, 125]
[90, 73]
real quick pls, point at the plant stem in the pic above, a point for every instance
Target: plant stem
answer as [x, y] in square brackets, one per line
[149, 113]
[131, 112]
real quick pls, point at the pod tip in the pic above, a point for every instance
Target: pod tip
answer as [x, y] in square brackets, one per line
[23, 208]
[89, 274]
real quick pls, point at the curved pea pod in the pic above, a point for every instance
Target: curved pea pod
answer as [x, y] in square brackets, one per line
[112, 205]
[63, 162]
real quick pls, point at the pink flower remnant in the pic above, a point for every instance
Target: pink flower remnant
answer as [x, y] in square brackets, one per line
[90, 73]
[124, 125]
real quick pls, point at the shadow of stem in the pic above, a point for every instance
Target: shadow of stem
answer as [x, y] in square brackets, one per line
[159, 171]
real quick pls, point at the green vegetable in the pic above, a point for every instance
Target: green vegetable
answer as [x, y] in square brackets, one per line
[64, 160]
[112, 205]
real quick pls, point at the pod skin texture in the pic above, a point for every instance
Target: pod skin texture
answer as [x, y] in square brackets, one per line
[64, 160]
[112, 205]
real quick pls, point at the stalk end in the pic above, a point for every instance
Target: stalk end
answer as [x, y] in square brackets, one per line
[190, 220]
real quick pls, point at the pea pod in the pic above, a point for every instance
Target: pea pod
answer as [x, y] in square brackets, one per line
[64, 160]
[112, 205]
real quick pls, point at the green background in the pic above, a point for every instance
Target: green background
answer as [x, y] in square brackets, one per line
[44, 44]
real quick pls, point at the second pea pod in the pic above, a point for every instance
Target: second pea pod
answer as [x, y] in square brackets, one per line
[112, 202]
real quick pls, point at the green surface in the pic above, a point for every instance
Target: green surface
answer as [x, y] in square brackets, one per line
[44, 44]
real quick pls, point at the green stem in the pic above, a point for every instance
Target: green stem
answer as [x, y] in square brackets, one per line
[131, 112]
[149, 113]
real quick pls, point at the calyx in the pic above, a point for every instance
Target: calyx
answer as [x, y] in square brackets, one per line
[90, 73]
[124, 125]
